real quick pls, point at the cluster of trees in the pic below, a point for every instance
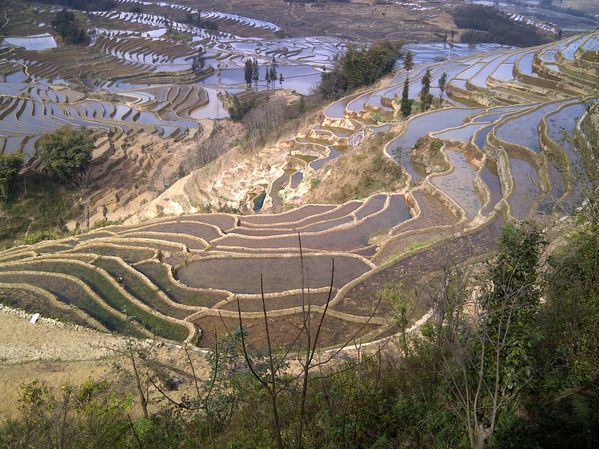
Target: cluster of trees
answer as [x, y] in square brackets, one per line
[251, 73]
[65, 154]
[36, 203]
[196, 19]
[271, 77]
[83, 5]
[198, 63]
[488, 24]
[425, 96]
[68, 27]
[359, 67]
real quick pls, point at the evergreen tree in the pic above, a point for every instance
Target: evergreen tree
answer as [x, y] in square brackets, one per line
[267, 77]
[68, 27]
[281, 79]
[353, 67]
[273, 76]
[442, 84]
[247, 72]
[408, 62]
[425, 96]
[10, 166]
[255, 72]
[406, 104]
[199, 61]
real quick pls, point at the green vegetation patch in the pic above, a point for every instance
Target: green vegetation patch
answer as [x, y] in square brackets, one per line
[32, 302]
[38, 210]
[488, 24]
[110, 294]
[129, 255]
[70, 293]
[359, 67]
[139, 289]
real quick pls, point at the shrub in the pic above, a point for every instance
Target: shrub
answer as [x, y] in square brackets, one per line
[68, 27]
[66, 152]
[38, 236]
[359, 67]
[10, 166]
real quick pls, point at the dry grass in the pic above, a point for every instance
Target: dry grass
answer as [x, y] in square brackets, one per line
[59, 355]
[358, 173]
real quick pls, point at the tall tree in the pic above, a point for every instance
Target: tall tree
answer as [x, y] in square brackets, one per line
[442, 84]
[489, 363]
[247, 72]
[10, 165]
[408, 61]
[281, 79]
[267, 77]
[255, 73]
[425, 91]
[66, 152]
[273, 76]
[199, 61]
[406, 104]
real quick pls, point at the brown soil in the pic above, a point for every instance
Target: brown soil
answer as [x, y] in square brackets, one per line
[56, 354]
[356, 20]
[334, 330]
[360, 299]
[281, 302]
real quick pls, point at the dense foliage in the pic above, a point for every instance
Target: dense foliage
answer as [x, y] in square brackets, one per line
[406, 103]
[238, 108]
[359, 67]
[492, 25]
[10, 166]
[69, 28]
[197, 20]
[66, 152]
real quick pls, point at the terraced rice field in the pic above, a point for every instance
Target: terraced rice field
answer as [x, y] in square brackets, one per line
[183, 278]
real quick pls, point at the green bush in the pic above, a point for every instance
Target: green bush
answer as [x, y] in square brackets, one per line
[66, 152]
[10, 166]
[359, 67]
[68, 27]
[38, 236]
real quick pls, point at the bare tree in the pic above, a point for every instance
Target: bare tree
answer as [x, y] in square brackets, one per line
[82, 182]
[305, 341]
[485, 352]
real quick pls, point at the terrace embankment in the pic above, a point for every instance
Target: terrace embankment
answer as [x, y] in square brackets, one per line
[421, 207]
[132, 172]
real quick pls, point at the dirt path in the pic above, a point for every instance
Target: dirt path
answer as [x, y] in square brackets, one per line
[56, 354]
[22, 341]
